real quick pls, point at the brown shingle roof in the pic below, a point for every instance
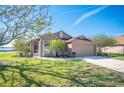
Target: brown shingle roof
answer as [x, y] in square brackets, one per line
[81, 37]
[57, 35]
[69, 39]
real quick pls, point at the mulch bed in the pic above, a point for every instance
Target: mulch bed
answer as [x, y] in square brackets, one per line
[17, 56]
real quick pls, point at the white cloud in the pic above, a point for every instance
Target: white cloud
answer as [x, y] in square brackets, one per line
[84, 16]
[76, 10]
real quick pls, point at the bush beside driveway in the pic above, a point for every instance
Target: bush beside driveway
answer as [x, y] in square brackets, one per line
[37, 72]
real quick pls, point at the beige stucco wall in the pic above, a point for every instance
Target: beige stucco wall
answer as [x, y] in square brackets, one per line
[83, 48]
[32, 48]
[114, 49]
[69, 45]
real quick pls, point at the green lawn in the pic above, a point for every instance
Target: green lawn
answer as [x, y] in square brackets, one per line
[36, 72]
[118, 56]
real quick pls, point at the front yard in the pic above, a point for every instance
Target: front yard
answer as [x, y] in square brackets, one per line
[37, 72]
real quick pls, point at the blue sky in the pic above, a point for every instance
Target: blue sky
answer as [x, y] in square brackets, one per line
[88, 20]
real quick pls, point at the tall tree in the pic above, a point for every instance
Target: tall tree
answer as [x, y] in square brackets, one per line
[19, 21]
[102, 41]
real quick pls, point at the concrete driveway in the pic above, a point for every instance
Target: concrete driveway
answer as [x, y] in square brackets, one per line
[97, 60]
[107, 62]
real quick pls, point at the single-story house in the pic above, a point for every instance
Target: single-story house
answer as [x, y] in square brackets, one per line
[80, 45]
[118, 48]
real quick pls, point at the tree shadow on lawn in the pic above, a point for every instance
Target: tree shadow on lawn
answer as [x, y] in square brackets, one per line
[73, 76]
[20, 69]
[30, 81]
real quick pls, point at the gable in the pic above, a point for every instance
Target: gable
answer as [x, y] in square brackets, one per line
[84, 42]
[80, 39]
[62, 35]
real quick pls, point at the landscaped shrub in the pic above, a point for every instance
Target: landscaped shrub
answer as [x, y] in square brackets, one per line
[57, 46]
[21, 47]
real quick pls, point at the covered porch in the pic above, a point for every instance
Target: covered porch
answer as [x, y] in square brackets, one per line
[41, 48]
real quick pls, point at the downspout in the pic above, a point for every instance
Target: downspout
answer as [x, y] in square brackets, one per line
[123, 50]
[95, 50]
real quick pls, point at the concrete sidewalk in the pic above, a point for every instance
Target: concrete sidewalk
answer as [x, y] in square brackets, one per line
[56, 58]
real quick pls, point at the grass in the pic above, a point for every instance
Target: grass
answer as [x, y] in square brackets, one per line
[118, 56]
[30, 72]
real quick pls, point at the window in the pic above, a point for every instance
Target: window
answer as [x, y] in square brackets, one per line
[46, 43]
[61, 34]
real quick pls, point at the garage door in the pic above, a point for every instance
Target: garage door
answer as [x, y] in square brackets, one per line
[83, 50]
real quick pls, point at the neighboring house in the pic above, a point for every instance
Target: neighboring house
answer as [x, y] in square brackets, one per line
[118, 48]
[80, 45]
